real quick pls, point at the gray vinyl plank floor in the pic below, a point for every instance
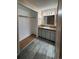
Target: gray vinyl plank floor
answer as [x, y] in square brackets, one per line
[38, 49]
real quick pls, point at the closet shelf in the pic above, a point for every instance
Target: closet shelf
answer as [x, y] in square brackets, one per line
[25, 16]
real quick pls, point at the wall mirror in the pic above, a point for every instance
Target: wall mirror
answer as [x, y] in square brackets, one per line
[49, 20]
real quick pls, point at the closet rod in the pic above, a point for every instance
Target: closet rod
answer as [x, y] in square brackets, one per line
[25, 16]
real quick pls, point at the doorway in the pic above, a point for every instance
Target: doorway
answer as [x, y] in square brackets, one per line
[37, 38]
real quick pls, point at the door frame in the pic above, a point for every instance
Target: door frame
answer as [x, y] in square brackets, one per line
[59, 31]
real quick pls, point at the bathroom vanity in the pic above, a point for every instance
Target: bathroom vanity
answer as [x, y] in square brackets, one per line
[47, 29]
[47, 33]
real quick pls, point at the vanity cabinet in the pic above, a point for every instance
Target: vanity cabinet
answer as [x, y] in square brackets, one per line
[47, 34]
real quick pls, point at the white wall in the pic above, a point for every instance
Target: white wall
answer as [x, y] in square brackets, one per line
[46, 12]
[51, 11]
[26, 25]
[39, 18]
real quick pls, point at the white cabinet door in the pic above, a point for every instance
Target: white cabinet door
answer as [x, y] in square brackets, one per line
[47, 34]
[43, 33]
[53, 35]
[39, 32]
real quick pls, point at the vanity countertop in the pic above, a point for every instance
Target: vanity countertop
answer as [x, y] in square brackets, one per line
[48, 28]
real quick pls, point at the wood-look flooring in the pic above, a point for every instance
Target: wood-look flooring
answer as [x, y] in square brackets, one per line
[26, 41]
[38, 49]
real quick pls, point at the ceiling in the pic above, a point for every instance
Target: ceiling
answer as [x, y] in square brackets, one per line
[42, 4]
